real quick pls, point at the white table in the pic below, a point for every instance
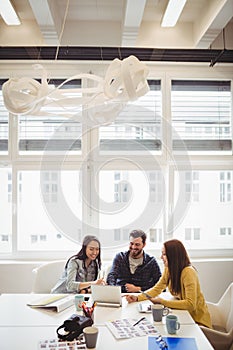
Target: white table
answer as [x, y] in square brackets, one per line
[27, 338]
[13, 306]
[25, 326]
[131, 311]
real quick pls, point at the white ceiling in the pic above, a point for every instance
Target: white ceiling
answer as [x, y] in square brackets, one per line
[119, 23]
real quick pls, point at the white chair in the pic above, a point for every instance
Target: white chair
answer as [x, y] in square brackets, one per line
[47, 275]
[221, 336]
[107, 270]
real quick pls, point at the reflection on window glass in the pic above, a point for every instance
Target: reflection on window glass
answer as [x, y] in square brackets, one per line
[204, 224]
[40, 209]
[201, 116]
[225, 186]
[138, 126]
[156, 235]
[225, 231]
[52, 132]
[5, 210]
[127, 204]
[4, 127]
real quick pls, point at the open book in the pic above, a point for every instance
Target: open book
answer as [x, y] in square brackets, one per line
[57, 302]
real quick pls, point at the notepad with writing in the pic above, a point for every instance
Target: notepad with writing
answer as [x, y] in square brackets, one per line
[174, 343]
[56, 303]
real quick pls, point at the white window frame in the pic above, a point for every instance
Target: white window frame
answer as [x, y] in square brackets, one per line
[165, 72]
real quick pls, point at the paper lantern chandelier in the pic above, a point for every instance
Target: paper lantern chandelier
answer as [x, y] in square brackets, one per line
[125, 80]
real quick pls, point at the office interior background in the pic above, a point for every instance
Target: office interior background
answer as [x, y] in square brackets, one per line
[162, 162]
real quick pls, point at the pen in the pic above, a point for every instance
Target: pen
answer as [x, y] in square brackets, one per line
[141, 319]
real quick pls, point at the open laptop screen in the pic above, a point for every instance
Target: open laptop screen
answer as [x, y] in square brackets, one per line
[106, 295]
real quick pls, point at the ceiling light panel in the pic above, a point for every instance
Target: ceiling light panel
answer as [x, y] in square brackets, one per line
[172, 13]
[8, 13]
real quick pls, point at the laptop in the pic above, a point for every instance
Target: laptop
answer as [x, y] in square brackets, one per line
[109, 296]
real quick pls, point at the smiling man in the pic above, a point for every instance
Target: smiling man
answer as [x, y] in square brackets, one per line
[134, 270]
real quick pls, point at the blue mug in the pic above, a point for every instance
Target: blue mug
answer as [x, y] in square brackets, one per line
[172, 324]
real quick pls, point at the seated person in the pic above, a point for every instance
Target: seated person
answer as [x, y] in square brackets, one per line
[182, 281]
[82, 269]
[134, 270]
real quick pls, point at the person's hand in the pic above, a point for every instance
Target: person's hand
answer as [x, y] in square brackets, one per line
[131, 298]
[100, 281]
[131, 288]
[156, 300]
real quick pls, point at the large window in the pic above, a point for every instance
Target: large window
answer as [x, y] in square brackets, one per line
[5, 210]
[49, 214]
[202, 222]
[138, 126]
[202, 116]
[163, 165]
[4, 128]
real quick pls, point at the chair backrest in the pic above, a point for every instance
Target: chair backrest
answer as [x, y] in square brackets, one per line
[47, 275]
[225, 305]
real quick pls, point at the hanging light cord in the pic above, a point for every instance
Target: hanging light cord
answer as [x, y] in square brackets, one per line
[62, 28]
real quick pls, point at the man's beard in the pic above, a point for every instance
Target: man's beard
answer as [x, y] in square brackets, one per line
[135, 254]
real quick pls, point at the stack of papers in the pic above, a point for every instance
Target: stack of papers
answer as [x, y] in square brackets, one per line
[56, 303]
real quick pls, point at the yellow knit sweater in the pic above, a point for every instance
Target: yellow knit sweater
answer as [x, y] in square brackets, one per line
[191, 297]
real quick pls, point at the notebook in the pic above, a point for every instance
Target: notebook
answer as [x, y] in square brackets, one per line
[109, 296]
[58, 302]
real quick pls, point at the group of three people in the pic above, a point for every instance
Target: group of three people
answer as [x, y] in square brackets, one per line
[136, 271]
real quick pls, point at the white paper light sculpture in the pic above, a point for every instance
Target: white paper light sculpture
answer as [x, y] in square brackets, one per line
[124, 81]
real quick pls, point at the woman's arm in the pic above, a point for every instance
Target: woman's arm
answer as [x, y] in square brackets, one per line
[78, 286]
[189, 287]
[153, 292]
[157, 289]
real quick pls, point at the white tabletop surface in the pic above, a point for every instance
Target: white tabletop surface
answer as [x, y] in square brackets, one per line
[27, 338]
[13, 306]
[21, 324]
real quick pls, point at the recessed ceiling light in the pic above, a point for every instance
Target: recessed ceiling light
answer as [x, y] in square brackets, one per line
[172, 13]
[8, 13]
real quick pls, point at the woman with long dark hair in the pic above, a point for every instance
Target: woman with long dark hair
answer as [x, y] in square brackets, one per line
[82, 269]
[182, 281]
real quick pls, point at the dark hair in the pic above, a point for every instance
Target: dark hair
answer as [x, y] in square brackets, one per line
[178, 259]
[81, 255]
[138, 233]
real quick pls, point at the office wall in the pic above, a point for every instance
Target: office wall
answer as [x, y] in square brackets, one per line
[215, 276]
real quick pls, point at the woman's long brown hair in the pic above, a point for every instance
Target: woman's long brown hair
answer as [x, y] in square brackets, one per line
[178, 259]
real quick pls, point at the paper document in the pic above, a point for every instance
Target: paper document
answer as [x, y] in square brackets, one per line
[57, 302]
[130, 328]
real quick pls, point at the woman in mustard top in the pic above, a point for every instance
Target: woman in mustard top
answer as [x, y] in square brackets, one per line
[182, 281]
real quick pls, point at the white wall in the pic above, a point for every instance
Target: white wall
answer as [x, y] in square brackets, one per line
[215, 276]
